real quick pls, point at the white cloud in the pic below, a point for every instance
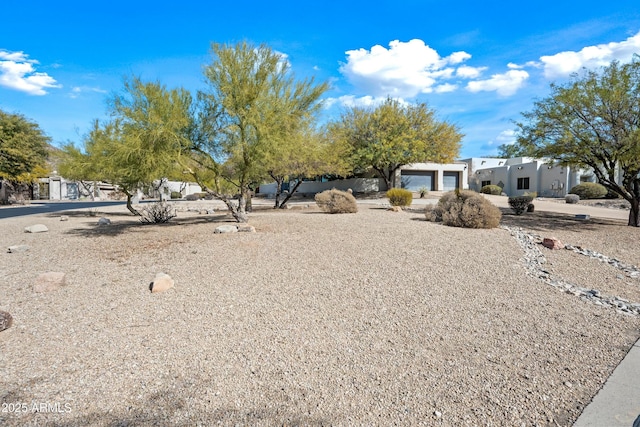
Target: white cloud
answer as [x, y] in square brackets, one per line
[507, 137]
[77, 90]
[467, 72]
[445, 88]
[504, 84]
[17, 72]
[353, 101]
[564, 63]
[405, 69]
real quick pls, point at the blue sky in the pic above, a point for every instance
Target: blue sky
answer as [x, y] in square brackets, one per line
[478, 64]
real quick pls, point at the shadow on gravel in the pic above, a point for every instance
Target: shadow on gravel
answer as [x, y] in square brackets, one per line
[549, 221]
[133, 225]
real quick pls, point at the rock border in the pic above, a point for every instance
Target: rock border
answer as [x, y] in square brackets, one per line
[534, 260]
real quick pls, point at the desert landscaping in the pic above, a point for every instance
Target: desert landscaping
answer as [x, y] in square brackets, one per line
[370, 318]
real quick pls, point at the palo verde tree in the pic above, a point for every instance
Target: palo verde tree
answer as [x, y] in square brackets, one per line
[252, 104]
[394, 134]
[23, 150]
[144, 140]
[593, 121]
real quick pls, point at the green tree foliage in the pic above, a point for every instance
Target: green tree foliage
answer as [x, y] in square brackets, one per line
[23, 148]
[144, 140]
[395, 134]
[593, 121]
[253, 115]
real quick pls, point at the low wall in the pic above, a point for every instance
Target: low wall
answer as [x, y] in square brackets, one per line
[357, 185]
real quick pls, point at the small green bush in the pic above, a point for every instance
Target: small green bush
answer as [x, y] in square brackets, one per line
[520, 204]
[572, 199]
[464, 208]
[400, 197]
[589, 190]
[494, 190]
[176, 195]
[336, 201]
[612, 195]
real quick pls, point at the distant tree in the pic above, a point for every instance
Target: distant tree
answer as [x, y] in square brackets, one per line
[510, 151]
[306, 155]
[593, 121]
[23, 150]
[393, 135]
[253, 105]
[142, 142]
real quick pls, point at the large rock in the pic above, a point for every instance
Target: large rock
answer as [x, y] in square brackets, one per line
[226, 229]
[161, 283]
[50, 281]
[5, 320]
[104, 221]
[17, 248]
[36, 228]
[552, 243]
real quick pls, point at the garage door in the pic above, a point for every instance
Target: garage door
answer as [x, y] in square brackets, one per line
[415, 180]
[451, 181]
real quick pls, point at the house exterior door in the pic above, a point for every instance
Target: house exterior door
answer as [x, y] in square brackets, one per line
[450, 181]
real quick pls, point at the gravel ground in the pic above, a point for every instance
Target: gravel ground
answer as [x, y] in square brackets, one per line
[374, 318]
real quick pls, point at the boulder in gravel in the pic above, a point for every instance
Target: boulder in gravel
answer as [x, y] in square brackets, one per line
[226, 229]
[5, 320]
[552, 243]
[246, 228]
[36, 228]
[161, 283]
[64, 218]
[395, 209]
[104, 221]
[50, 281]
[17, 248]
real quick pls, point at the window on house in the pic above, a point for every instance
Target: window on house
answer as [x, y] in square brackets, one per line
[485, 183]
[523, 183]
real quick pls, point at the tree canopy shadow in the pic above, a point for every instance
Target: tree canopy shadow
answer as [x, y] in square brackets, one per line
[550, 221]
[133, 225]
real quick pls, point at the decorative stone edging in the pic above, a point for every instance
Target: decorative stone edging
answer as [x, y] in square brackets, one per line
[534, 260]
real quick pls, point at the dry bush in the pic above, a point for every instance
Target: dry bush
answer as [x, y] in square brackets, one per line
[157, 213]
[466, 209]
[336, 201]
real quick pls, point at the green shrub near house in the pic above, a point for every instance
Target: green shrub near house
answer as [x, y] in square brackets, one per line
[400, 197]
[464, 208]
[589, 190]
[176, 195]
[494, 190]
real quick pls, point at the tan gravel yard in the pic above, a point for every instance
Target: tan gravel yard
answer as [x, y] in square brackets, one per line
[374, 318]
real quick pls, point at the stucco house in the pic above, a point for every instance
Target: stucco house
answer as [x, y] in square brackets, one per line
[520, 175]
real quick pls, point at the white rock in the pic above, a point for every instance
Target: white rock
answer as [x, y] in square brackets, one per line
[36, 228]
[64, 218]
[246, 228]
[226, 229]
[17, 248]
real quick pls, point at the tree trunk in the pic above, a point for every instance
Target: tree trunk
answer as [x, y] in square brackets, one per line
[634, 212]
[278, 191]
[291, 192]
[130, 205]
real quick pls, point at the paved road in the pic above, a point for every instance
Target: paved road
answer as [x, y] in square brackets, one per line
[46, 207]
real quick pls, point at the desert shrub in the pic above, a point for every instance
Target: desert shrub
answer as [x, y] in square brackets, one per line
[572, 198]
[519, 204]
[494, 190]
[399, 197]
[423, 191]
[176, 195]
[464, 208]
[336, 201]
[589, 190]
[531, 207]
[157, 213]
